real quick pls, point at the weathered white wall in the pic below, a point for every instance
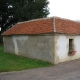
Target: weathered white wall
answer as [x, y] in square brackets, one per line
[33, 46]
[62, 47]
[77, 46]
[20, 38]
[50, 47]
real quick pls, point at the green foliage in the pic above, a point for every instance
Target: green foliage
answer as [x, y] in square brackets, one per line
[9, 62]
[71, 52]
[13, 11]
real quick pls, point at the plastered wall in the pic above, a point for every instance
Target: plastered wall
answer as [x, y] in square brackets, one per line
[62, 47]
[33, 46]
[49, 47]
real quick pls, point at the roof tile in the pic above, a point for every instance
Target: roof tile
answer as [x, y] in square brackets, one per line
[67, 26]
[42, 26]
[32, 27]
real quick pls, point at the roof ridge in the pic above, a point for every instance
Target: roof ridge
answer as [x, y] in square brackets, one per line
[66, 19]
[54, 25]
[34, 20]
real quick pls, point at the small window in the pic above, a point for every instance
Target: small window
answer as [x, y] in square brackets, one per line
[71, 46]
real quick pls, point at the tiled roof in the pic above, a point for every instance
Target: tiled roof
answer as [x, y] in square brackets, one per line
[43, 26]
[39, 26]
[67, 26]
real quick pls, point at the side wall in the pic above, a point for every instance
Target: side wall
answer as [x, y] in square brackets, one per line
[62, 47]
[35, 46]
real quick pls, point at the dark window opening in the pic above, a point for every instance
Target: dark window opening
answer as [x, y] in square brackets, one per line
[71, 44]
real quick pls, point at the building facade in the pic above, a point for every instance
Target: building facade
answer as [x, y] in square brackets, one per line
[52, 39]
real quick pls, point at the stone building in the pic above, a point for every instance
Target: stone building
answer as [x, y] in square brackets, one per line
[49, 39]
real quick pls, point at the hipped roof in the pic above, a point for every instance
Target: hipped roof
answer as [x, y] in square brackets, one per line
[45, 26]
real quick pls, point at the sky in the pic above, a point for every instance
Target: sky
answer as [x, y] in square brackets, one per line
[69, 9]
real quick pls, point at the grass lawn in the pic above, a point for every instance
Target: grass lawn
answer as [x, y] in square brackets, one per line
[9, 62]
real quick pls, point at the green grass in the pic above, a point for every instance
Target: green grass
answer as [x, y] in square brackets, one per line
[10, 62]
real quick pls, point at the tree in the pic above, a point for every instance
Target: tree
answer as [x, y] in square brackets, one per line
[13, 11]
[5, 13]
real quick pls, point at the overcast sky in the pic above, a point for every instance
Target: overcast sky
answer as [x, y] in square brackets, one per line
[69, 9]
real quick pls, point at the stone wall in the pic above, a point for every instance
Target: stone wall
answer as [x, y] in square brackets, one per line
[48, 47]
[33, 46]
